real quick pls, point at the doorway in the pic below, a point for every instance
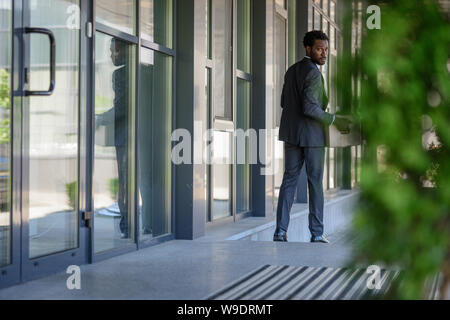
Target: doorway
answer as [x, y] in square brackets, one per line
[42, 230]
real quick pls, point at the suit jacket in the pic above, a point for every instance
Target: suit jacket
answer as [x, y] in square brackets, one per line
[304, 101]
[121, 105]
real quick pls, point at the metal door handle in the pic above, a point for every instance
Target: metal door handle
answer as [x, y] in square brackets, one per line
[51, 37]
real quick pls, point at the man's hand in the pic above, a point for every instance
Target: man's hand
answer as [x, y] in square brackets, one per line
[342, 124]
[104, 119]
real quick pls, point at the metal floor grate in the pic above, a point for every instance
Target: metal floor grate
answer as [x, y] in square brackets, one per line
[308, 283]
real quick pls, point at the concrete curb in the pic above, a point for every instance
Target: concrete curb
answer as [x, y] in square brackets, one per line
[337, 214]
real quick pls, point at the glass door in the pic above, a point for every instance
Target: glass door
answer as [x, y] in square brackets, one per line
[9, 264]
[114, 169]
[50, 136]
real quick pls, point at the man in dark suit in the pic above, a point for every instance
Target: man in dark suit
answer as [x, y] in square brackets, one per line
[119, 116]
[120, 81]
[302, 129]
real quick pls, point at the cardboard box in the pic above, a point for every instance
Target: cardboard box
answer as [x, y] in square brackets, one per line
[104, 136]
[335, 139]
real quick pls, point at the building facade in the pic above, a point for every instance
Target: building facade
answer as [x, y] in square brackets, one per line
[118, 121]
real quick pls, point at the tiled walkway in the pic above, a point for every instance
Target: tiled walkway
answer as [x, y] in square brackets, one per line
[181, 269]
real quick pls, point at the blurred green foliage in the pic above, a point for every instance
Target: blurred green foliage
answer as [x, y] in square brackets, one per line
[404, 73]
[5, 104]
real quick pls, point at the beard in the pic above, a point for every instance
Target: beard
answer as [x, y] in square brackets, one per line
[319, 61]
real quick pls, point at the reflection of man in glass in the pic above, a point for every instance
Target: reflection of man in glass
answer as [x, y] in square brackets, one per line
[119, 57]
[119, 112]
[146, 146]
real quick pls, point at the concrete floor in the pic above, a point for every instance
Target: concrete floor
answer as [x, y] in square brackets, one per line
[181, 269]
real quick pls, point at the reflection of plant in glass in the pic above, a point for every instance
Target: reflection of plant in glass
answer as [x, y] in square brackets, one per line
[404, 70]
[5, 104]
[71, 192]
[114, 187]
[102, 104]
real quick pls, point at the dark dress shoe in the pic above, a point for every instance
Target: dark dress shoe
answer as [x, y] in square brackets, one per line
[320, 239]
[280, 236]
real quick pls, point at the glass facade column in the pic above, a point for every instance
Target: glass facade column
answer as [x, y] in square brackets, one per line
[132, 167]
[154, 152]
[243, 104]
[229, 104]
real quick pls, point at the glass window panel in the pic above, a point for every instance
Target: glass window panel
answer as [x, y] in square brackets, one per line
[335, 37]
[222, 59]
[332, 92]
[118, 14]
[222, 144]
[359, 150]
[325, 6]
[353, 166]
[281, 3]
[280, 70]
[325, 169]
[338, 167]
[332, 39]
[157, 21]
[292, 34]
[243, 34]
[310, 18]
[51, 132]
[242, 148]
[113, 162]
[5, 131]
[208, 27]
[280, 64]
[325, 26]
[279, 166]
[332, 11]
[331, 168]
[208, 153]
[317, 19]
[155, 129]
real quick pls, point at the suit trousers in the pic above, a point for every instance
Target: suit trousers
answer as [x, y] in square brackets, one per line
[122, 165]
[295, 157]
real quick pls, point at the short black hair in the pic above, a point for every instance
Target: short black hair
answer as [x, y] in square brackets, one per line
[312, 36]
[118, 44]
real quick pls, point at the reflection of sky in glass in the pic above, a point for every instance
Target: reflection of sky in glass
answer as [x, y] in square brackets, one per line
[222, 59]
[44, 13]
[5, 5]
[147, 23]
[280, 3]
[332, 10]
[147, 56]
[325, 6]
[5, 33]
[222, 148]
[316, 20]
[222, 171]
[119, 14]
[157, 21]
